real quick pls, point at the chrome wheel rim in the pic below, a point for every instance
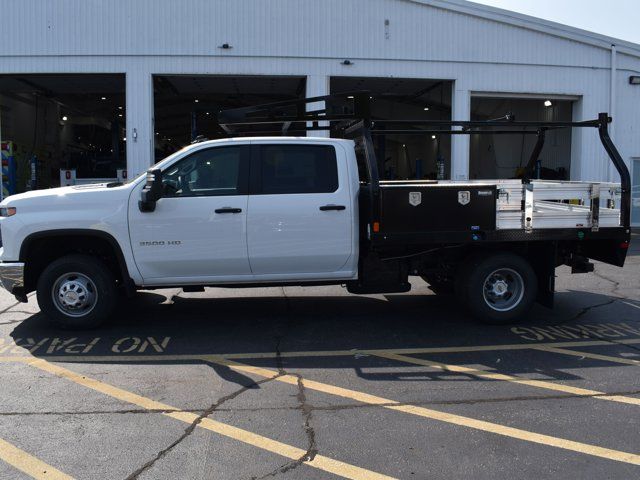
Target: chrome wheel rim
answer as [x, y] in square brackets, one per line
[74, 294]
[503, 289]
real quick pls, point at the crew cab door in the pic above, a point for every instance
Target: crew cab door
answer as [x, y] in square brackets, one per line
[301, 212]
[197, 232]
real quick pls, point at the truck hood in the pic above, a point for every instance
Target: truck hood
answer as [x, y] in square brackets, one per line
[64, 195]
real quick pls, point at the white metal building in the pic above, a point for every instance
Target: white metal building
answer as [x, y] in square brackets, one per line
[176, 62]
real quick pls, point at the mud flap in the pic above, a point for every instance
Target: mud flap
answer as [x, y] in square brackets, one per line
[543, 260]
[380, 276]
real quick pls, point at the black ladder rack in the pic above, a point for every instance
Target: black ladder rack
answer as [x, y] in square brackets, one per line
[348, 115]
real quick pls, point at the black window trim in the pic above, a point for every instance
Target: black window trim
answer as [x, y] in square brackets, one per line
[255, 172]
[243, 174]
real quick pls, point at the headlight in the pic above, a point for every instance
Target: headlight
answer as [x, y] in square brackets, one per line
[7, 211]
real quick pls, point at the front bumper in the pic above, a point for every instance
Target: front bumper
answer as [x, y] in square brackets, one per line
[12, 277]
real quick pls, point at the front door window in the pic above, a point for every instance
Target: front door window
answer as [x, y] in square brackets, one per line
[211, 172]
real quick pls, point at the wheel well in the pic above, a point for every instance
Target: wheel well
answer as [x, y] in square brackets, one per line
[39, 250]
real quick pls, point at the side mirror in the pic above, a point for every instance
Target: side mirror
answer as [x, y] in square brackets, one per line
[152, 191]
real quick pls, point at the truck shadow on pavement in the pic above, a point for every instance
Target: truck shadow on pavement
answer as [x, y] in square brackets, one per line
[263, 329]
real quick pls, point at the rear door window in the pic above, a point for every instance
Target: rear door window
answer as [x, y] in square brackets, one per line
[287, 169]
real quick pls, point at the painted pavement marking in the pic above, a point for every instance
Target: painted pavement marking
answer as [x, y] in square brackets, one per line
[319, 462]
[594, 356]
[22, 353]
[450, 418]
[583, 392]
[29, 464]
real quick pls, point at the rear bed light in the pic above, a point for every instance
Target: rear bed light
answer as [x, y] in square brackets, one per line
[624, 245]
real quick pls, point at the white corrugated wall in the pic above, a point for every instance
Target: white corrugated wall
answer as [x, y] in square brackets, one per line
[311, 37]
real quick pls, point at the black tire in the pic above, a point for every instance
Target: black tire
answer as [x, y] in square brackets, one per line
[87, 276]
[482, 282]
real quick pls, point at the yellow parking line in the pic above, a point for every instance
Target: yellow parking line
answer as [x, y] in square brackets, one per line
[450, 418]
[29, 464]
[316, 353]
[426, 350]
[320, 462]
[595, 356]
[632, 305]
[511, 379]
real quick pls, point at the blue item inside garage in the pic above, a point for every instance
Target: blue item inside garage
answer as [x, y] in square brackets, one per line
[9, 170]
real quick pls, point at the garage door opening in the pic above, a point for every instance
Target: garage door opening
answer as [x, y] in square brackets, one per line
[505, 156]
[414, 156]
[186, 105]
[53, 122]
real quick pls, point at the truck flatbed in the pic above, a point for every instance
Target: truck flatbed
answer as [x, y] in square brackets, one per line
[551, 203]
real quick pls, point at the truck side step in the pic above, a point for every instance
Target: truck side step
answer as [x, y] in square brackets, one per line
[193, 288]
[371, 288]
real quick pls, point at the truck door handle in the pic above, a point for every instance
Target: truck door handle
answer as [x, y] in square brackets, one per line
[324, 208]
[228, 210]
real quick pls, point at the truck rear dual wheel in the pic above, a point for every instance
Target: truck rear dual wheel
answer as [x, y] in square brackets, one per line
[77, 291]
[497, 288]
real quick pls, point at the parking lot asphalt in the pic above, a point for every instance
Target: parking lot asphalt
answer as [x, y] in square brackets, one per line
[314, 383]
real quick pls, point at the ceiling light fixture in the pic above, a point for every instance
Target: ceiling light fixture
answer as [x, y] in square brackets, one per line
[433, 137]
[103, 98]
[65, 118]
[426, 109]
[547, 103]
[196, 101]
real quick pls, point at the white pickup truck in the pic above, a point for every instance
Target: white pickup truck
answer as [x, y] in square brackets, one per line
[301, 211]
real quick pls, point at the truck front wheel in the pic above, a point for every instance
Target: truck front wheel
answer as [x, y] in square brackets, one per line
[499, 288]
[77, 291]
